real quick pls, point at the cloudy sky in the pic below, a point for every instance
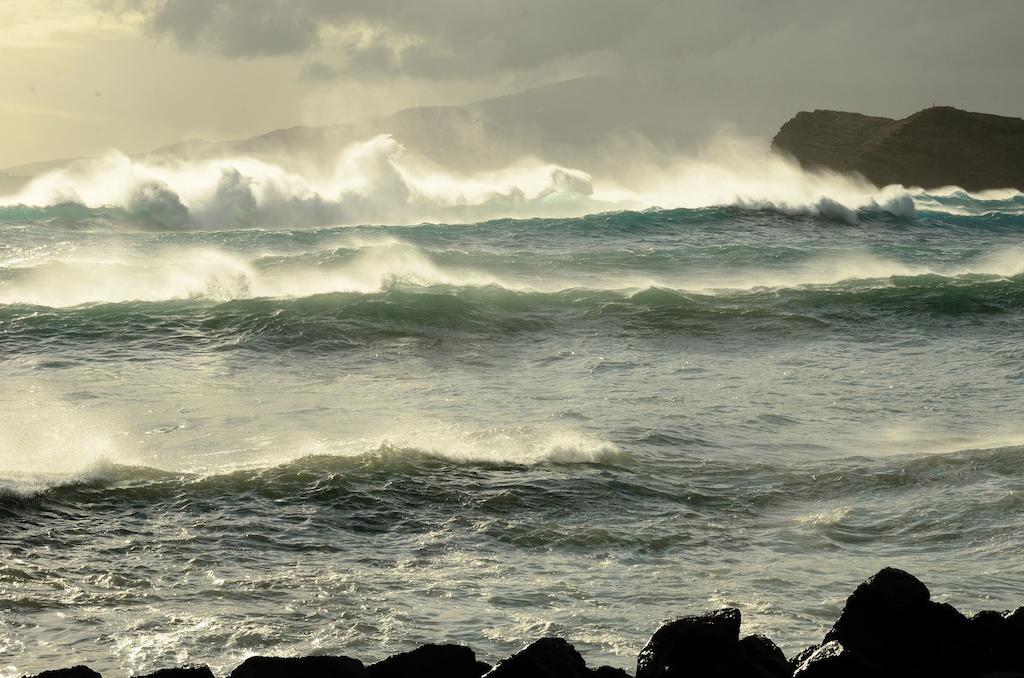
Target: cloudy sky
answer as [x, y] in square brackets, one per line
[81, 75]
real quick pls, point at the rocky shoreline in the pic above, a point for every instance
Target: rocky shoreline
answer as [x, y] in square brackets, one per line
[889, 628]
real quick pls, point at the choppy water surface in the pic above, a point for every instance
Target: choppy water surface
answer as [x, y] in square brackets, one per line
[358, 439]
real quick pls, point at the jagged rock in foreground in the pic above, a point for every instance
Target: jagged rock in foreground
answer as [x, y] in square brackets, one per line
[939, 146]
[73, 672]
[307, 667]
[709, 645]
[889, 628]
[197, 671]
[453, 661]
[764, 657]
[549, 658]
[890, 621]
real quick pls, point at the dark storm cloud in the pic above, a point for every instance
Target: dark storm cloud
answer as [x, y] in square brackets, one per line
[431, 39]
[744, 62]
[252, 27]
[459, 38]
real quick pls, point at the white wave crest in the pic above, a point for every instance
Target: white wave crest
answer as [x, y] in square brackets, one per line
[375, 182]
[147, 272]
[453, 443]
[826, 518]
[119, 276]
[371, 183]
[47, 441]
[171, 273]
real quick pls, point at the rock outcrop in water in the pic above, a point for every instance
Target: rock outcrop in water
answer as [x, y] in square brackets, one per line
[309, 667]
[456, 661]
[182, 672]
[889, 628]
[939, 146]
[710, 645]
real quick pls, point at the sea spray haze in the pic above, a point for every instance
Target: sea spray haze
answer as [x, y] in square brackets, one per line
[563, 362]
[376, 181]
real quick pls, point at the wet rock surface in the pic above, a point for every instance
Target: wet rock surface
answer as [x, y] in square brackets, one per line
[706, 645]
[833, 660]
[764, 658]
[545, 658]
[181, 672]
[455, 661]
[309, 667]
[72, 672]
[889, 628]
[710, 645]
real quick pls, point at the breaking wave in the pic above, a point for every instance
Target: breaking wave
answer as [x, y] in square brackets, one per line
[373, 182]
[155, 272]
[370, 184]
[34, 469]
[305, 477]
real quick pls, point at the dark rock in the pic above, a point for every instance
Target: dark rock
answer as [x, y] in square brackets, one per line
[832, 660]
[988, 636]
[945, 636]
[998, 640]
[545, 658]
[939, 146]
[73, 672]
[452, 661]
[889, 621]
[306, 667]
[195, 671]
[609, 672]
[765, 658]
[1012, 653]
[706, 646]
[879, 615]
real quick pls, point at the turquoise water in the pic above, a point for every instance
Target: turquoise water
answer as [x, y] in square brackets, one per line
[356, 440]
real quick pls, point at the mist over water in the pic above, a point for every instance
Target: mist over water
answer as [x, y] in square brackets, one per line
[238, 420]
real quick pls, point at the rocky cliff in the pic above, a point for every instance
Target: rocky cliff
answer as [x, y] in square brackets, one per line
[939, 146]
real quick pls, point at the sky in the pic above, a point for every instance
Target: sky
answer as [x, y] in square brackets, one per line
[79, 76]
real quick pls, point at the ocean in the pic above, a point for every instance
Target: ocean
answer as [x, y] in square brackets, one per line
[220, 442]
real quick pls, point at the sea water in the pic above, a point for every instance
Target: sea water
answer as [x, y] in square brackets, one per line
[219, 442]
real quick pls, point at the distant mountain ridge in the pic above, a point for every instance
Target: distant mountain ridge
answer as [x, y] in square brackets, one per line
[442, 131]
[577, 123]
[938, 146]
